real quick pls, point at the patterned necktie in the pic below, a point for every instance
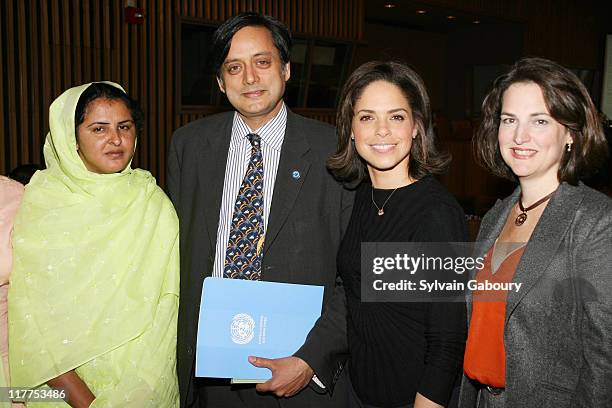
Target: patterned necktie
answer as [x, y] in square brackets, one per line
[243, 253]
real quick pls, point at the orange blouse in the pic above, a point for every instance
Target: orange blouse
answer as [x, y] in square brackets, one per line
[485, 355]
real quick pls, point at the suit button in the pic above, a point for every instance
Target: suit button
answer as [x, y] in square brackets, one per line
[189, 350]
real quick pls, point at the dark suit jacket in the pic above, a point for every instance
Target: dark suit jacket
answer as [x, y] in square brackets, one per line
[307, 219]
[558, 328]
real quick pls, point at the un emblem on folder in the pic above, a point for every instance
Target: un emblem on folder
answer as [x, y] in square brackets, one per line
[242, 328]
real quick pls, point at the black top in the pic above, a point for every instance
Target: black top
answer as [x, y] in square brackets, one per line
[399, 349]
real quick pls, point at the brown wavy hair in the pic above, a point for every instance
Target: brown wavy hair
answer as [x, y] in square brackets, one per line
[567, 101]
[345, 164]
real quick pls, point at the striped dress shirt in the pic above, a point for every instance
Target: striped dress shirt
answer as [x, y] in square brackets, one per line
[272, 135]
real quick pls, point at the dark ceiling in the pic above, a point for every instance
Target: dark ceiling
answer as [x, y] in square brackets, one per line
[434, 18]
[421, 16]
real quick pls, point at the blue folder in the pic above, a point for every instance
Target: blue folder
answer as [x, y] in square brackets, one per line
[241, 318]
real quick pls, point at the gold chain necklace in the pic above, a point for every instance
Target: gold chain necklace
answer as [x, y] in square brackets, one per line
[381, 209]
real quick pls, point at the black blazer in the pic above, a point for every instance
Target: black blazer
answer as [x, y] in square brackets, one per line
[307, 219]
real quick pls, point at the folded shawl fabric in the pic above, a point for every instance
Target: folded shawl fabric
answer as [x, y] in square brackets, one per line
[95, 279]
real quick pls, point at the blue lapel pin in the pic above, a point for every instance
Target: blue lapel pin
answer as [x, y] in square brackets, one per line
[295, 174]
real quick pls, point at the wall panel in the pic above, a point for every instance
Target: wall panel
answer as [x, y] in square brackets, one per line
[47, 46]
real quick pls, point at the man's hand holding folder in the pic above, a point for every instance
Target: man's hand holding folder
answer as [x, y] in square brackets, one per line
[289, 375]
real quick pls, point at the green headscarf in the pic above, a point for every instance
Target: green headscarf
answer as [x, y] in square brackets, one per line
[95, 278]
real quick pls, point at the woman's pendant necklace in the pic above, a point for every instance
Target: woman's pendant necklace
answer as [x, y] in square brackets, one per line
[381, 209]
[522, 217]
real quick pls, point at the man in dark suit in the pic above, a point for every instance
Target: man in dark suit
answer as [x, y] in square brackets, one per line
[298, 216]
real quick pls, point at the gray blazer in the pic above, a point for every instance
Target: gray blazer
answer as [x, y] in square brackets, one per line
[558, 328]
[307, 221]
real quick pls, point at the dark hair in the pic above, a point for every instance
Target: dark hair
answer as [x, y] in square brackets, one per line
[107, 91]
[222, 38]
[24, 172]
[567, 101]
[345, 164]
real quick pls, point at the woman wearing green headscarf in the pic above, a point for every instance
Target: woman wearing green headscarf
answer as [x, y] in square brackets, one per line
[94, 290]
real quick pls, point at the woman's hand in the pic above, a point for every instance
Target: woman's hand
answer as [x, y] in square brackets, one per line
[421, 402]
[78, 394]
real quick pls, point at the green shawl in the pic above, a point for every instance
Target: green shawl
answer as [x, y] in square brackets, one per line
[95, 278]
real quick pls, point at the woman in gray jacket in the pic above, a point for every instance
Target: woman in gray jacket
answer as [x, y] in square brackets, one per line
[548, 341]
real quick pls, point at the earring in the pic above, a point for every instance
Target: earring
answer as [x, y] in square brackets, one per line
[352, 137]
[569, 147]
